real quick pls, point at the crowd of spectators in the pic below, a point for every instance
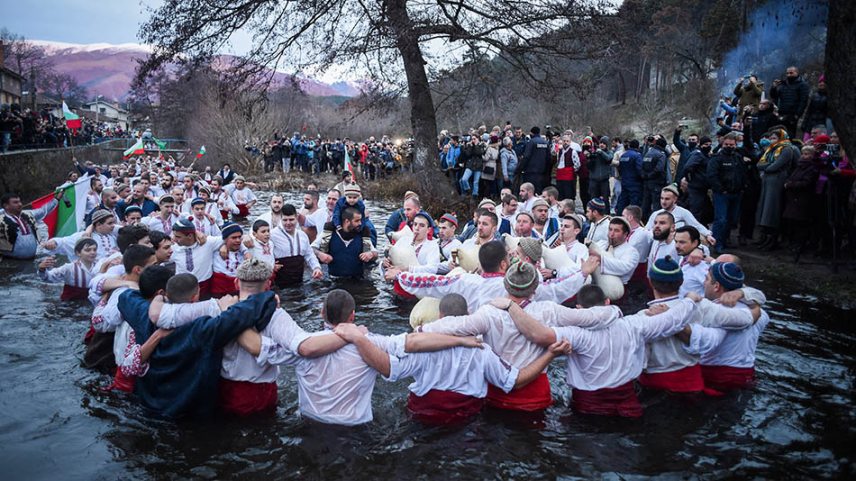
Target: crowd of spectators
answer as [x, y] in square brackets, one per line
[23, 128]
[774, 169]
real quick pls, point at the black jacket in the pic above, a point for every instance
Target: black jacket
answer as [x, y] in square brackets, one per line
[536, 156]
[790, 96]
[726, 173]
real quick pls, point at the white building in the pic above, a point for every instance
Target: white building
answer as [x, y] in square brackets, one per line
[108, 112]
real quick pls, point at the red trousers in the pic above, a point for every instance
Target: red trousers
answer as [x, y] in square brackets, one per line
[243, 398]
[615, 401]
[73, 293]
[727, 378]
[535, 396]
[443, 407]
[686, 380]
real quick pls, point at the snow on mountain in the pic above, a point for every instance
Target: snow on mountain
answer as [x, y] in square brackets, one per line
[108, 69]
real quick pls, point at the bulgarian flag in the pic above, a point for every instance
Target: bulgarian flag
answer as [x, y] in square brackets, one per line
[67, 217]
[136, 149]
[72, 120]
[347, 167]
[201, 152]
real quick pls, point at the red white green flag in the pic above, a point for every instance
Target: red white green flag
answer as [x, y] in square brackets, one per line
[68, 217]
[347, 167]
[72, 120]
[136, 149]
[201, 152]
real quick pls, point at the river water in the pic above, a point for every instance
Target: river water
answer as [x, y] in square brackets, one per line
[57, 423]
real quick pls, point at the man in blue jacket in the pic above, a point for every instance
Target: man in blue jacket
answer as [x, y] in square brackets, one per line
[535, 163]
[184, 369]
[630, 172]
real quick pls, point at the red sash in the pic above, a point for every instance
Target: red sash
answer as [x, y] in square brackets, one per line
[611, 401]
[535, 396]
[222, 285]
[443, 407]
[243, 210]
[224, 214]
[686, 380]
[396, 288]
[205, 290]
[641, 273]
[727, 378]
[73, 293]
[121, 382]
[243, 398]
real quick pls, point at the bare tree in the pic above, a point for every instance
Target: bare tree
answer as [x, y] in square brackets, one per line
[840, 70]
[382, 37]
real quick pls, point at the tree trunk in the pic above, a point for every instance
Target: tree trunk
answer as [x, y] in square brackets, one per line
[840, 71]
[422, 116]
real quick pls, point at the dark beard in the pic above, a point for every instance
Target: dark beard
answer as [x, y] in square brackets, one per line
[662, 236]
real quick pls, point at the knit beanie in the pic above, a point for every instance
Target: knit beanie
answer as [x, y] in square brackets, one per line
[666, 270]
[101, 214]
[450, 219]
[352, 189]
[531, 247]
[183, 225]
[254, 270]
[133, 208]
[728, 274]
[598, 205]
[196, 201]
[539, 202]
[229, 229]
[521, 279]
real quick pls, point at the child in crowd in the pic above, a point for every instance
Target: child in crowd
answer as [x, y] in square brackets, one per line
[75, 275]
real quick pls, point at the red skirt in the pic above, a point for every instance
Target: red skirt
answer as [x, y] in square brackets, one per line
[121, 382]
[443, 407]
[222, 285]
[535, 396]
[243, 210]
[73, 293]
[686, 380]
[613, 401]
[727, 378]
[243, 398]
[205, 290]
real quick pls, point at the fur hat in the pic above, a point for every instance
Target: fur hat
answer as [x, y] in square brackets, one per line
[598, 205]
[531, 247]
[673, 189]
[101, 214]
[166, 198]
[666, 270]
[229, 229]
[521, 279]
[728, 274]
[621, 219]
[485, 202]
[527, 214]
[254, 270]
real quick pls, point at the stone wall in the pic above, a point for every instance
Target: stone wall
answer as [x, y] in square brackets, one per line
[34, 173]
